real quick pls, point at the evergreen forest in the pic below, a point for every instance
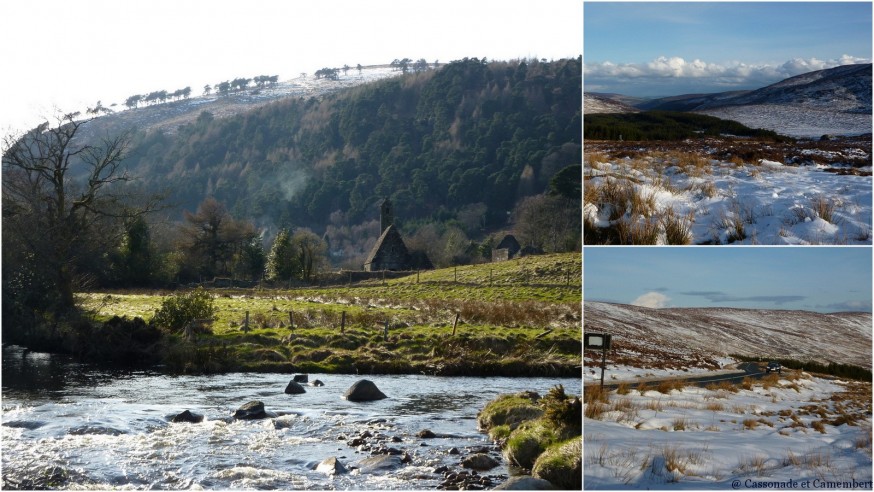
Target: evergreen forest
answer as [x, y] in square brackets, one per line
[472, 136]
[666, 125]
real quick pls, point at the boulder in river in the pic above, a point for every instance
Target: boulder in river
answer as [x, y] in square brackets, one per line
[525, 482]
[331, 466]
[479, 461]
[316, 382]
[251, 411]
[187, 416]
[294, 388]
[380, 464]
[364, 390]
[301, 378]
[426, 434]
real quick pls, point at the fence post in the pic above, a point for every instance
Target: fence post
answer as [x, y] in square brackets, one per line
[417, 276]
[490, 278]
[385, 331]
[246, 323]
[291, 320]
[455, 324]
[343, 322]
[456, 274]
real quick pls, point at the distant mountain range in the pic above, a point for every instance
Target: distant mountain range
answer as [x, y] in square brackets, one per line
[699, 333]
[831, 101]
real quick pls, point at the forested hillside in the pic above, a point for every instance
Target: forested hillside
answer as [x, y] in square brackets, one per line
[471, 138]
[665, 125]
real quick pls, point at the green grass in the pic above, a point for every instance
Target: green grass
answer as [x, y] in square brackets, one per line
[519, 317]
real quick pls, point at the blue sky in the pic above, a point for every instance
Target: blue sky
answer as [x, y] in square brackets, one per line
[821, 279]
[667, 48]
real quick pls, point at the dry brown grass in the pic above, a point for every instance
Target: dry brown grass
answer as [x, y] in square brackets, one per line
[593, 393]
[722, 386]
[654, 405]
[715, 407]
[678, 230]
[592, 159]
[770, 381]
[623, 389]
[824, 207]
[680, 424]
[642, 232]
[643, 388]
[750, 424]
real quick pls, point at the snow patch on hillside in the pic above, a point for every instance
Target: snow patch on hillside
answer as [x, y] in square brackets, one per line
[795, 121]
[652, 338]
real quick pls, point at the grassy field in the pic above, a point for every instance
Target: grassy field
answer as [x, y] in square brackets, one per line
[517, 318]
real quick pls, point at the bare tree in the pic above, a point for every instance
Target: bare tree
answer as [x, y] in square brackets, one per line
[214, 238]
[61, 197]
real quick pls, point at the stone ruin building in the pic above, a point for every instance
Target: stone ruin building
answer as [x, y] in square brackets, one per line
[390, 252]
[510, 248]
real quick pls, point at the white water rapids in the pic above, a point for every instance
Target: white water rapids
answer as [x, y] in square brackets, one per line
[68, 426]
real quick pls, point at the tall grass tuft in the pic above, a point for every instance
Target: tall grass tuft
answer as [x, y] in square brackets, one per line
[678, 230]
[638, 232]
[824, 207]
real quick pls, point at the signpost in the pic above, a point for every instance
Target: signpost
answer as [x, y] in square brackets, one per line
[599, 341]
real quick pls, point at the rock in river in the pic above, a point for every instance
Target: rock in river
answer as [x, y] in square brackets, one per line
[426, 434]
[364, 390]
[294, 388]
[187, 416]
[525, 482]
[479, 461]
[251, 411]
[331, 466]
[301, 378]
[380, 464]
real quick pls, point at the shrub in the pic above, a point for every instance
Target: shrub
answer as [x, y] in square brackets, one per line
[177, 311]
[561, 410]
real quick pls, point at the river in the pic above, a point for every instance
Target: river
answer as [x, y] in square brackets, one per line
[65, 425]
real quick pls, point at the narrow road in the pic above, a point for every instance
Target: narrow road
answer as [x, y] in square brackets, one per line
[750, 370]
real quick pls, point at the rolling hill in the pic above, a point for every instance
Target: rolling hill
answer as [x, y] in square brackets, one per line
[834, 101]
[700, 334]
[469, 134]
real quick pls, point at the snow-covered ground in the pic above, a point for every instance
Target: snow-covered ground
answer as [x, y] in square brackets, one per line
[170, 115]
[795, 121]
[721, 202]
[804, 429]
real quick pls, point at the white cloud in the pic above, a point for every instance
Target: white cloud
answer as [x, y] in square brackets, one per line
[726, 73]
[652, 300]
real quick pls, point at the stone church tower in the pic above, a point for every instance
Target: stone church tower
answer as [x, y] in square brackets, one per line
[386, 215]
